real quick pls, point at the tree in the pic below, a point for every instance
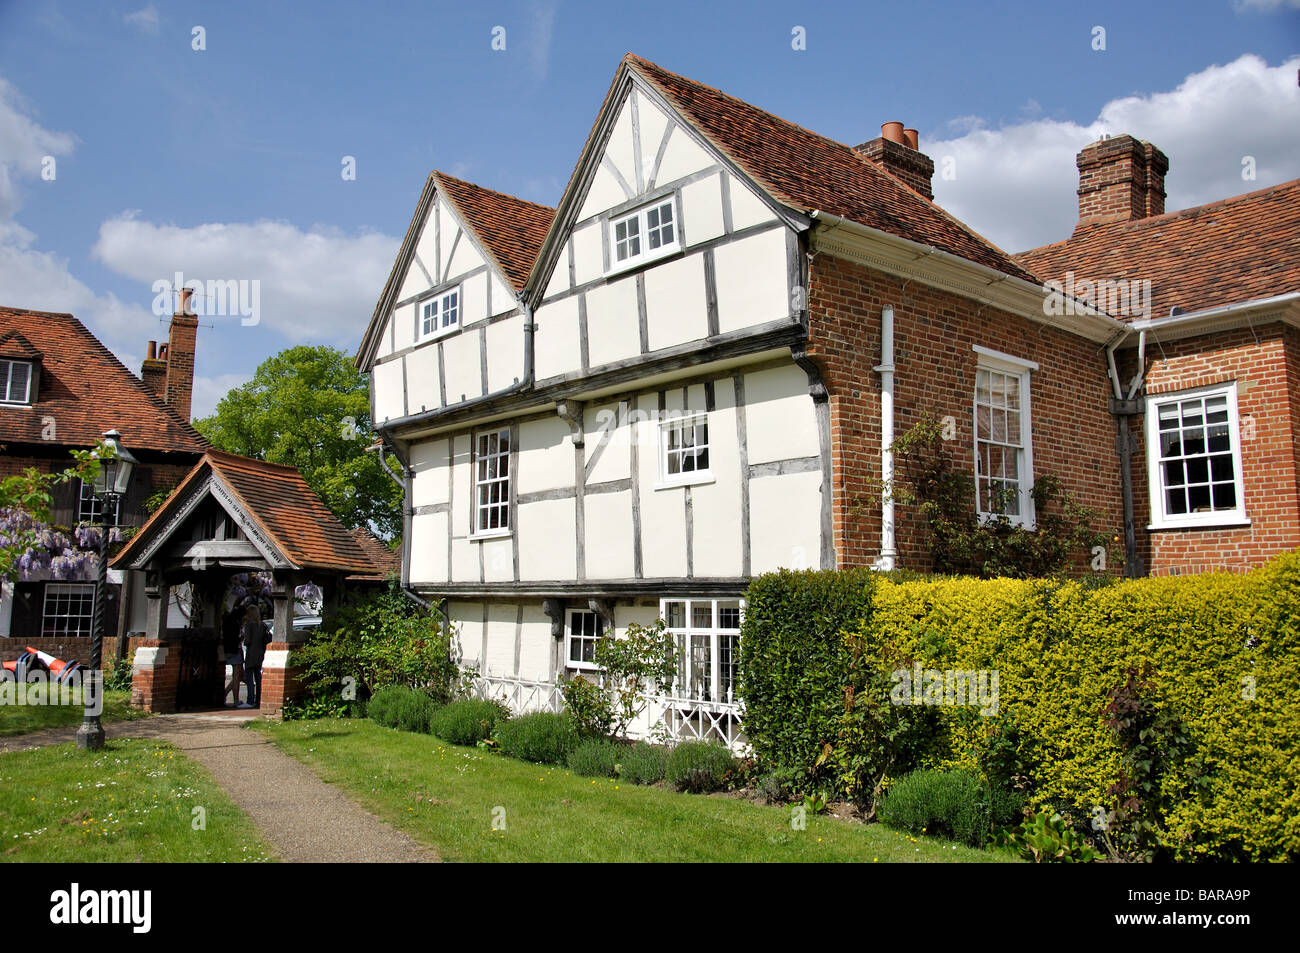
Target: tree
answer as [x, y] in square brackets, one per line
[29, 543]
[309, 407]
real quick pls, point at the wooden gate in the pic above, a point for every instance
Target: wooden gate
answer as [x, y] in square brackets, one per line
[203, 670]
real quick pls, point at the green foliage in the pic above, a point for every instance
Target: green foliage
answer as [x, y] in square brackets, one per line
[1047, 838]
[597, 758]
[117, 674]
[468, 721]
[26, 499]
[589, 706]
[644, 655]
[963, 544]
[793, 667]
[402, 707]
[320, 705]
[644, 763]
[699, 766]
[309, 407]
[380, 639]
[955, 804]
[541, 737]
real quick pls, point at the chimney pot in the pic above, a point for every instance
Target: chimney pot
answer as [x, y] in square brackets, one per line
[186, 294]
[897, 152]
[912, 139]
[893, 131]
[153, 351]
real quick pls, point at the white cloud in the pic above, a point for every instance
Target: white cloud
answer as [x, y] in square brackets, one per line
[318, 285]
[209, 390]
[1016, 184]
[539, 42]
[1266, 6]
[145, 19]
[24, 146]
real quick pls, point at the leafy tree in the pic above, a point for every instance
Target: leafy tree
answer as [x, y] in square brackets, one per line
[29, 543]
[309, 407]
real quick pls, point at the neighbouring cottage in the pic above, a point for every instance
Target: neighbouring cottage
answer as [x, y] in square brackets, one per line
[690, 372]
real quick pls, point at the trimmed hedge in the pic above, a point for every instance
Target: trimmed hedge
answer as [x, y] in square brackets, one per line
[402, 707]
[542, 737]
[955, 804]
[596, 758]
[792, 664]
[699, 766]
[468, 721]
[644, 763]
[1205, 666]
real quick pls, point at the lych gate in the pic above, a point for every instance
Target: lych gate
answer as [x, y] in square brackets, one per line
[231, 515]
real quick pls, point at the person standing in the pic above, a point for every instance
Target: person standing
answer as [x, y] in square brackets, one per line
[255, 639]
[234, 650]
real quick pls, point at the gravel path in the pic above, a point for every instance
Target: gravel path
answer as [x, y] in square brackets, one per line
[304, 819]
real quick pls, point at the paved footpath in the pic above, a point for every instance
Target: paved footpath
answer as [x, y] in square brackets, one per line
[304, 819]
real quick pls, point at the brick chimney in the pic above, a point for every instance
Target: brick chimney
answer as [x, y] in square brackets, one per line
[180, 357]
[1120, 179]
[154, 369]
[896, 151]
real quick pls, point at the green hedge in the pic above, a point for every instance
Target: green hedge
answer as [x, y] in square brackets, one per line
[1225, 767]
[468, 721]
[541, 737]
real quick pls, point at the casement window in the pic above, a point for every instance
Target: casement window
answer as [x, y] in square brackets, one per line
[1004, 459]
[492, 483]
[647, 233]
[1194, 458]
[684, 450]
[438, 315]
[585, 629]
[89, 506]
[708, 646]
[15, 382]
[69, 610]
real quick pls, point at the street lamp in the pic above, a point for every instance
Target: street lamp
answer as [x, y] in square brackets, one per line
[115, 468]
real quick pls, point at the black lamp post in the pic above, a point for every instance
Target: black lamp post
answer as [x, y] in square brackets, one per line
[115, 469]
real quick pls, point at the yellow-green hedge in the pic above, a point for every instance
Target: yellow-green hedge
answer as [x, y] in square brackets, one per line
[1060, 648]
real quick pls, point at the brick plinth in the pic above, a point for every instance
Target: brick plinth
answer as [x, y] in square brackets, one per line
[156, 676]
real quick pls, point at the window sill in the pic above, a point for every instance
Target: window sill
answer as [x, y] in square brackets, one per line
[704, 477]
[438, 335]
[1228, 523]
[491, 534]
[644, 261]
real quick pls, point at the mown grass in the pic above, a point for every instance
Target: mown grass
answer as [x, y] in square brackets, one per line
[133, 801]
[20, 719]
[448, 797]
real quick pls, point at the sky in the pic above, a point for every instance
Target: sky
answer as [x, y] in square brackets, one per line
[287, 143]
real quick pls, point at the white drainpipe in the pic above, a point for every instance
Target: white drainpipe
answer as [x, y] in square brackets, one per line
[888, 553]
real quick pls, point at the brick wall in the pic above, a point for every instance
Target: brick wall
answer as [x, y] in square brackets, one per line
[934, 333]
[1265, 363]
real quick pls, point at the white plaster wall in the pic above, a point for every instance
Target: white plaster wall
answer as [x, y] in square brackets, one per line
[498, 559]
[614, 462]
[780, 419]
[702, 210]
[546, 540]
[556, 344]
[558, 283]
[473, 299]
[746, 207]
[535, 644]
[716, 512]
[429, 461]
[604, 192]
[503, 295]
[386, 379]
[652, 121]
[467, 618]
[461, 496]
[613, 322]
[545, 455]
[461, 365]
[682, 158]
[403, 320]
[752, 281]
[588, 257]
[663, 512]
[676, 302]
[505, 349]
[785, 521]
[429, 548]
[464, 560]
[422, 390]
[608, 525]
[501, 639]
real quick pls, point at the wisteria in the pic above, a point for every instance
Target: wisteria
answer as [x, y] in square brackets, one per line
[40, 550]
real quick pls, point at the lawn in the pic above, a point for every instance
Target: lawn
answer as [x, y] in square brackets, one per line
[133, 801]
[449, 797]
[20, 719]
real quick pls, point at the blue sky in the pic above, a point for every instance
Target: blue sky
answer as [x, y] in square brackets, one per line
[226, 162]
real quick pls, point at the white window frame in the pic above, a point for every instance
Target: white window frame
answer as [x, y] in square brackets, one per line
[641, 216]
[685, 686]
[7, 366]
[67, 590]
[439, 303]
[88, 501]
[1155, 472]
[999, 363]
[680, 420]
[477, 530]
[570, 638]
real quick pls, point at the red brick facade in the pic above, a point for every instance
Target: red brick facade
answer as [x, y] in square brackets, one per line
[934, 336]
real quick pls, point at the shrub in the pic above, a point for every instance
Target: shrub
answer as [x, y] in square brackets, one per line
[699, 766]
[954, 804]
[320, 705]
[644, 763]
[468, 721]
[402, 707]
[541, 737]
[792, 664]
[588, 706]
[596, 758]
[118, 674]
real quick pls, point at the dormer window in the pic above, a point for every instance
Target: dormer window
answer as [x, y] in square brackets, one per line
[649, 232]
[439, 315]
[15, 381]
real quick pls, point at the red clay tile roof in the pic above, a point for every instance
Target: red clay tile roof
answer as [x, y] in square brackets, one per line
[86, 390]
[511, 229]
[281, 503]
[384, 560]
[807, 171]
[1226, 252]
